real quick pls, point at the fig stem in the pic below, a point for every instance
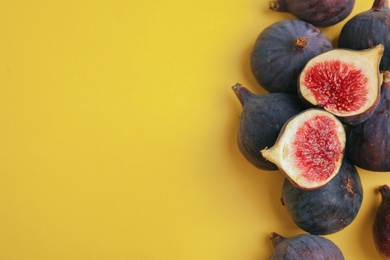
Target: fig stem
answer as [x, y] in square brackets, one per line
[276, 239]
[301, 42]
[242, 93]
[386, 76]
[278, 5]
[379, 5]
[385, 191]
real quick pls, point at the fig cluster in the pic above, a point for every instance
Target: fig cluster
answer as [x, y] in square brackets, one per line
[325, 112]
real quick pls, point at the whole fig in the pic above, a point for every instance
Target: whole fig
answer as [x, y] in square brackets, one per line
[304, 247]
[338, 202]
[368, 29]
[261, 119]
[367, 144]
[281, 51]
[381, 225]
[317, 12]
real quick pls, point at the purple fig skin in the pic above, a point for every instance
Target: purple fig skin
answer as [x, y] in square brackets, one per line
[304, 247]
[368, 29]
[261, 119]
[368, 145]
[338, 202]
[317, 12]
[282, 50]
[381, 226]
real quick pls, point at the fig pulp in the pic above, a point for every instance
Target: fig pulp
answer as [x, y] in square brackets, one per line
[304, 247]
[344, 82]
[368, 29]
[309, 149]
[317, 12]
[338, 202]
[261, 119]
[381, 225]
[282, 50]
[368, 144]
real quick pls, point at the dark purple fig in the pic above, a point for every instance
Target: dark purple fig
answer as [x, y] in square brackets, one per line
[317, 12]
[381, 225]
[368, 29]
[282, 50]
[309, 149]
[338, 202]
[344, 82]
[261, 119]
[367, 143]
[304, 247]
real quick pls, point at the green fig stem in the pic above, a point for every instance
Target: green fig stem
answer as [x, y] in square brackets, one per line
[242, 93]
[276, 239]
[386, 76]
[301, 42]
[278, 5]
[379, 5]
[385, 191]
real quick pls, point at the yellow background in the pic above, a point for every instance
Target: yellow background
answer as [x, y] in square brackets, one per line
[117, 134]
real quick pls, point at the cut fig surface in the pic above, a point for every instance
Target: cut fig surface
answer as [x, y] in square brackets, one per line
[344, 82]
[309, 149]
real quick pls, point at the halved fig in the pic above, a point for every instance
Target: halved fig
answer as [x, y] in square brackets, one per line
[344, 82]
[309, 149]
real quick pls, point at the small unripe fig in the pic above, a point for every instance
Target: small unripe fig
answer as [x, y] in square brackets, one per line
[368, 29]
[282, 50]
[367, 143]
[381, 226]
[261, 119]
[338, 202]
[309, 149]
[304, 247]
[317, 12]
[344, 82]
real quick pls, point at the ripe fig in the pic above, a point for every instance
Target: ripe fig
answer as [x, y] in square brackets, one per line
[368, 29]
[381, 225]
[282, 50]
[344, 82]
[367, 143]
[309, 149]
[304, 247]
[338, 202]
[317, 12]
[261, 119]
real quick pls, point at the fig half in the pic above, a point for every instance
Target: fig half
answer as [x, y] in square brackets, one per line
[309, 149]
[344, 82]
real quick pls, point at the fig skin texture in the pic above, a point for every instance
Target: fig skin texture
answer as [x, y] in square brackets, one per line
[343, 82]
[304, 247]
[338, 202]
[368, 143]
[381, 225]
[317, 12]
[282, 50]
[368, 29]
[309, 149]
[261, 120]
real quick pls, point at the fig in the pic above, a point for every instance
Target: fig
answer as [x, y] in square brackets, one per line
[261, 120]
[344, 82]
[309, 149]
[367, 143]
[338, 202]
[281, 51]
[317, 12]
[368, 29]
[381, 225]
[304, 247]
